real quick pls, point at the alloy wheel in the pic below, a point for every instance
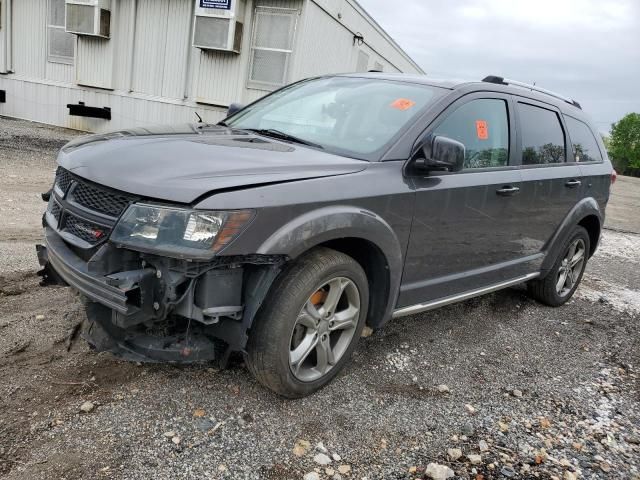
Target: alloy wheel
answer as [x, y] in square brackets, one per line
[571, 267]
[324, 329]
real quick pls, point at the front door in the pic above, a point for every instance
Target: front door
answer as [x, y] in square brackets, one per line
[466, 229]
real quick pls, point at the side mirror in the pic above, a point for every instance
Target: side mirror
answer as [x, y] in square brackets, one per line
[443, 153]
[234, 108]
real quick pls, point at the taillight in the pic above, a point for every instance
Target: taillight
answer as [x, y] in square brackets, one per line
[614, 177]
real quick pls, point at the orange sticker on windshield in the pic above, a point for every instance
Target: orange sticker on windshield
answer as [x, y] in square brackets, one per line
[482, 130]
[403, 104]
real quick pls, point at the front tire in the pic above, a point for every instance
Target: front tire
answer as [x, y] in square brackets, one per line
[562, 281]
[309, 324]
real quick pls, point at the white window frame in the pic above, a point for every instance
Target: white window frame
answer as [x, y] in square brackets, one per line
[256, 84]
[58, 58]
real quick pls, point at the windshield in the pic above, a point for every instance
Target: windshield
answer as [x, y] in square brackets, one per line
[355, 117]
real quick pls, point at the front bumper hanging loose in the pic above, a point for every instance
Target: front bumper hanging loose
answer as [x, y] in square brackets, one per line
[153, 309]
[60, 262]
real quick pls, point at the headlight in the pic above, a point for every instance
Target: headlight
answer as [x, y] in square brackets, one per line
[179, 232]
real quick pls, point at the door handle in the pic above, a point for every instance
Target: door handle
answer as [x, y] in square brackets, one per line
[573, 183]
[507, 191]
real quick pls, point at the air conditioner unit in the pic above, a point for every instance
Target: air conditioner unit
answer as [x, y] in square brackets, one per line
[88, 17]
[219, 25]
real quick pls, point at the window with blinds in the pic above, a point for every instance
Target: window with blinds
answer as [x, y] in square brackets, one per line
[60, 44]
[271, 47]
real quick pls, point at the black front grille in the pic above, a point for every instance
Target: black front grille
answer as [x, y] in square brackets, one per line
[84, 210]
[55, 210]
[89, 232]
[63, 179]
[100, 200]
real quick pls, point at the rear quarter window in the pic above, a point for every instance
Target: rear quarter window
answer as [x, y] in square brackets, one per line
[542, 135]
[585, 145]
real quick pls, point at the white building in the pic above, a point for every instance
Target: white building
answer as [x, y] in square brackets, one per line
[146, 62]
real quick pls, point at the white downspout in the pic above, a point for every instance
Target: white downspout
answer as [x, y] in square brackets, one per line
[8, 41]
[188, 73]
[132, 29]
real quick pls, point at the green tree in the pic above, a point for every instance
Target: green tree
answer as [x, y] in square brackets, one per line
[624, 144]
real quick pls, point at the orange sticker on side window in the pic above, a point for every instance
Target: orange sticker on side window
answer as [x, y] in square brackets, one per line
[482, 129]
[403, 104]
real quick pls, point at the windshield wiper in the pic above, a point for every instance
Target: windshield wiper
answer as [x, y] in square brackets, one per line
[272, 132]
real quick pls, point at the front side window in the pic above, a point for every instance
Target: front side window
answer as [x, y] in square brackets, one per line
[585, 146]
[60, 44]
[482, 126]
[542, 135]
[355, 117]
[271, 47]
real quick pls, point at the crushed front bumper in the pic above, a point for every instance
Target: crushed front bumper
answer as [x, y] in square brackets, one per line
[69, 267]
[154, 309]
[121, 317]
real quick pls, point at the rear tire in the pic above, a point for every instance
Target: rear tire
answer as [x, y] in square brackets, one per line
[566, 273]
[309, 324]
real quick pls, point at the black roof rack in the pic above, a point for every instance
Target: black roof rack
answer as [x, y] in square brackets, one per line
[505, 81]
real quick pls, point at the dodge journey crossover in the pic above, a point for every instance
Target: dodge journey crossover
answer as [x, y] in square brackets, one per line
[335, 203]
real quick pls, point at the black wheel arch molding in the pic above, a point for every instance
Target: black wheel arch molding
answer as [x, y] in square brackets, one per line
[341, 227]
[586, 213]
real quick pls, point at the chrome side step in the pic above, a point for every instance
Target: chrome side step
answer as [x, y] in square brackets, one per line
[423, 307]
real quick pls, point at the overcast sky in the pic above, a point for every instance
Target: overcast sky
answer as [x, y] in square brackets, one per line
[588, 50]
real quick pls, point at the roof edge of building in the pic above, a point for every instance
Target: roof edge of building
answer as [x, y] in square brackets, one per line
[378, 27]
[367, 16]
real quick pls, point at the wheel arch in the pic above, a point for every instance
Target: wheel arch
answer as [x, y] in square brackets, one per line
[585, 213]
[591, 224]
[374, 263]
[359, 233]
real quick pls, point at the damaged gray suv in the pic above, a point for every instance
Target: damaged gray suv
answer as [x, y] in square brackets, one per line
[335, 203]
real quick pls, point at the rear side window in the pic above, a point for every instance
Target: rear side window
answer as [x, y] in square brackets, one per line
[482, 126]
[585, 146]
[542, 135]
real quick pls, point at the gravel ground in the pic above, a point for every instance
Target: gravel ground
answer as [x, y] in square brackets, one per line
[535, 392]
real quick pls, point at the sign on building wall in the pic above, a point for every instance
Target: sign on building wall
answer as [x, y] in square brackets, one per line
[219, 4]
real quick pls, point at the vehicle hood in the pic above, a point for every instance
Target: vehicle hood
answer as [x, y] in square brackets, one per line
[183, 163]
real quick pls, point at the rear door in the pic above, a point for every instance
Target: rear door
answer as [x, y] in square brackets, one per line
[466, 227]
[551, 185]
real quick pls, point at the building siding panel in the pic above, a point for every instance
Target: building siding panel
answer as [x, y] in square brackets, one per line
[94, 61]
[47, 104]
[153, 91]
[60, 72]
[177, 48]
[4, 37]
[354, 20]
[30, 26]
[150, 44]
[222, 75]
[326, 47]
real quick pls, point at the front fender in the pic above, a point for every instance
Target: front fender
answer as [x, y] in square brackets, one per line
[332, 223]
[586, 207]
